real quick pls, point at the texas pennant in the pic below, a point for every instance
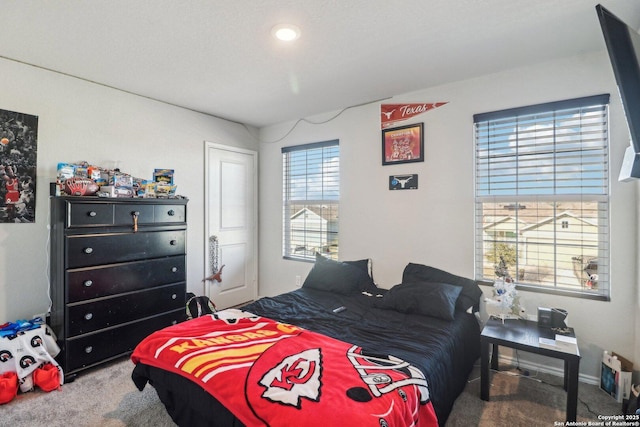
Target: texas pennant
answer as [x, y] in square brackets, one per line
[392, 114]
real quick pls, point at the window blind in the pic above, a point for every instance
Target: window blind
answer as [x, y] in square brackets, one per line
[542, 206]
[311, 194]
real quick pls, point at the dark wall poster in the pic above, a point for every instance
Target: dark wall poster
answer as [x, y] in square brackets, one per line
[18, 147]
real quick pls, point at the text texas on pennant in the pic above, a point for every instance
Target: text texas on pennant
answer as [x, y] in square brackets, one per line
[392, 114]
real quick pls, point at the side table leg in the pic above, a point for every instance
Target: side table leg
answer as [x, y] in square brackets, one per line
[484, 370]
[494, 358]
[571, 380]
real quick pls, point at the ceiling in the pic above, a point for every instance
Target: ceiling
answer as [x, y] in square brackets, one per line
[218, 57]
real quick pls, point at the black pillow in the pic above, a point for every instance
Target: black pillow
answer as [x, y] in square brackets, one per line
[362, 264]
[365, 265]
[436, 300]
[334, 276]
[469, 296]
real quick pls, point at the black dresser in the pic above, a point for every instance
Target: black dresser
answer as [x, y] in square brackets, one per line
[118, 273]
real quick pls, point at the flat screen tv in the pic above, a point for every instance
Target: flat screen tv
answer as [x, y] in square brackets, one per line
[623, 45]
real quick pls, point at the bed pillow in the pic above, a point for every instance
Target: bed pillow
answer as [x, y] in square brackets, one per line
[436, 300]
[362, 264]
[365, 265]
[469, 295]
[335, 276]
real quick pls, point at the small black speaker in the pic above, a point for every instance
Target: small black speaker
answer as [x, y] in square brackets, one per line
[544, 317]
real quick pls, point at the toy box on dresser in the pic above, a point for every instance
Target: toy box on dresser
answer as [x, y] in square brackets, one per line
[117, 274]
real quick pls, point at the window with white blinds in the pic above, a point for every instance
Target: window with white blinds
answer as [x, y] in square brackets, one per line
[311, 200]
[542, 197]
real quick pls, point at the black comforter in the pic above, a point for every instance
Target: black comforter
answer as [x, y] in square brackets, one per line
[444, 350]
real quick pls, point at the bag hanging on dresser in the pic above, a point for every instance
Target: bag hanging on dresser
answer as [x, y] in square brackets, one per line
[199, 306]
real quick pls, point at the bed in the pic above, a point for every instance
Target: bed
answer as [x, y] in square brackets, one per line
[422, 333]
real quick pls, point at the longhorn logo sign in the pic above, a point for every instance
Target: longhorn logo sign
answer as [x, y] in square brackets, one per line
[403, 182]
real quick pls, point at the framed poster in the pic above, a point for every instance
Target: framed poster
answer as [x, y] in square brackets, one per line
[18, 148]
[404, 144]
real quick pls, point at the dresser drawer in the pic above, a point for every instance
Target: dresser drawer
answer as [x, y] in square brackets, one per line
[105, 312]
[90, 349]
[121, 214]
[97, 249]
[150, 214]
[89, 214]
[125, 213]
[95, 282]
[170, 213]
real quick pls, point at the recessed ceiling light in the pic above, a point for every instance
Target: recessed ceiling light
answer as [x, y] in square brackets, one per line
[286, 32]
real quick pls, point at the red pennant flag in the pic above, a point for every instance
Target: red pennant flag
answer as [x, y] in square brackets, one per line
[392, 114]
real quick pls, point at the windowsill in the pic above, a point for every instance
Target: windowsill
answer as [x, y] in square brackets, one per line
[550, 291]
[292, 258]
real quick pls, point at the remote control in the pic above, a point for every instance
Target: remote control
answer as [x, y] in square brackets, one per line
[339, 309]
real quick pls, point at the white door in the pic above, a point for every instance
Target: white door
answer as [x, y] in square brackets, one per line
[231, 218]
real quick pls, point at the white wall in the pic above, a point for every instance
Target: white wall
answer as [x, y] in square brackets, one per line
[84, 121]
[434, 224]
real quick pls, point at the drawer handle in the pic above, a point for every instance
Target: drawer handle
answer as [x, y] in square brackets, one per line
[171, 212]
[135, 215]
[88, 316]
[174, 296]
[173, 242]
[88, 349]
[174, 269]
[88, 283]
[92, 213]
[88, 250]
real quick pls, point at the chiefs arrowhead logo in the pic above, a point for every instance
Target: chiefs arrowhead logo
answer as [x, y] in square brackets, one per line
[297, 376]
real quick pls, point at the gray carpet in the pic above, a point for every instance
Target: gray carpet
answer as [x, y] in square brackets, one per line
[535, 400]
[106, 396]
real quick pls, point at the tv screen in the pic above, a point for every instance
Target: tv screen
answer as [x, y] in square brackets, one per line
[623, 45]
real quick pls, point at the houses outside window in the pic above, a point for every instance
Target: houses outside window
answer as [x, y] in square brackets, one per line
[542, 197]
[311, 200]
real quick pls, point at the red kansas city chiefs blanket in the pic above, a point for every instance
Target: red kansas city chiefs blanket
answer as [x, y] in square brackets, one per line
[273, 374]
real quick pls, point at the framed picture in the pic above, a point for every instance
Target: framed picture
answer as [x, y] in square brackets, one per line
[404, 144]
[18, 149]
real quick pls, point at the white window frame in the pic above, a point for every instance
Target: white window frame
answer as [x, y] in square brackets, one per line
[311, 200]
[570, 138]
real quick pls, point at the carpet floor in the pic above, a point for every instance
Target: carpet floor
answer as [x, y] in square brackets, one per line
[519, 401]
[106, 396]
